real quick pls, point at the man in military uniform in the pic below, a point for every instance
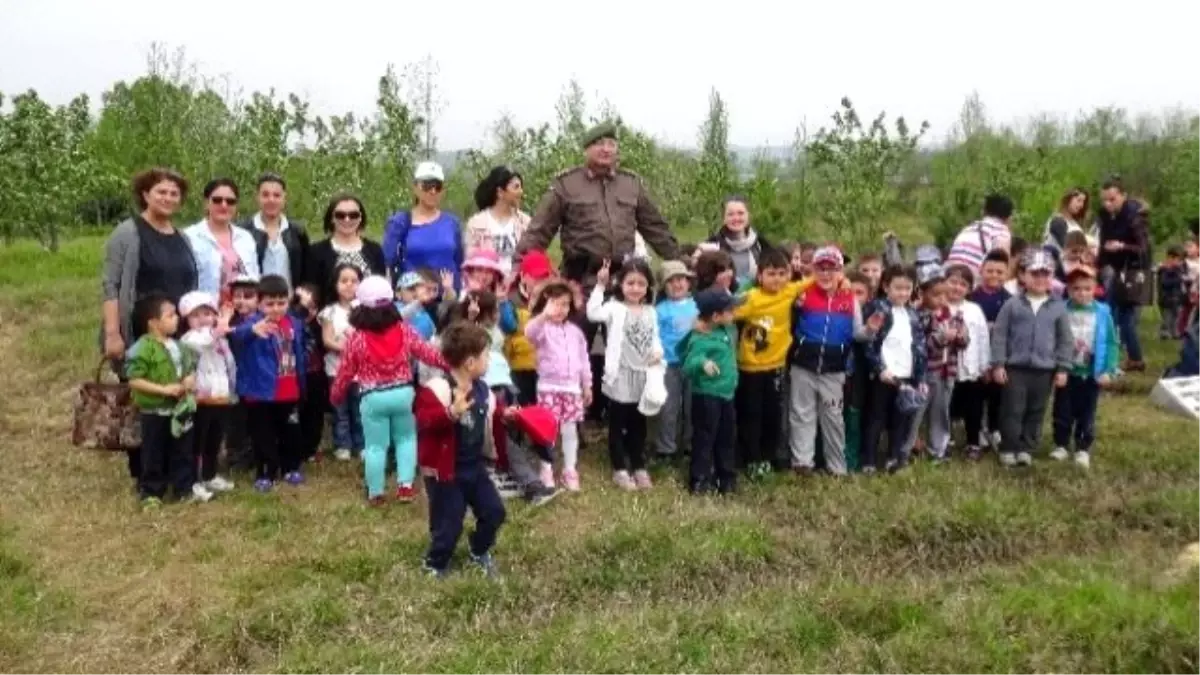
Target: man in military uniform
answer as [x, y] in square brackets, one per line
[598, 208]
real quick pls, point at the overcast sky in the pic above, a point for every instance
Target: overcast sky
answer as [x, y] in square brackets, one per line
[775, 63]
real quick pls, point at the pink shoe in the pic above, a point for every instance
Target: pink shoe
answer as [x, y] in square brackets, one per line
[623, 481]
[547, 475]
[570, 480]
[642, 479]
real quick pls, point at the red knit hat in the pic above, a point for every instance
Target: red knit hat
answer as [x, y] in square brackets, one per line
[538, 423]
[537, 265]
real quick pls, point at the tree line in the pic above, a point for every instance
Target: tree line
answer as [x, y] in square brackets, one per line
[65, 167]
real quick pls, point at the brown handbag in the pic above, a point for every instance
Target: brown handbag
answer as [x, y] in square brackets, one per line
[105, 416]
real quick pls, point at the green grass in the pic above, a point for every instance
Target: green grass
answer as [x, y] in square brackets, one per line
[961, 568]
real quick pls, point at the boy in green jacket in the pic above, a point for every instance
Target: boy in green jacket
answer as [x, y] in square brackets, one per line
[162, 374]
[709, 357]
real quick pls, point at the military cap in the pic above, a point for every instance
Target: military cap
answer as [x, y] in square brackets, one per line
[598, 132]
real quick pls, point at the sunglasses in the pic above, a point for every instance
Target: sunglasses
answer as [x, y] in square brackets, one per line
[431, 185]
[227, 201]
[346, 215]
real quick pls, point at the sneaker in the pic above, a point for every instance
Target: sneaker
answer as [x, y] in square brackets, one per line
[938, 460]
[642, 479]
[1060, 454]
[868, 470]
[486, 565]
[974, 454]
[264, 485]
[547, 474]
[570, 479]
[994, 440]
[433, 572]
[1008, 459]
[727, 487]
[294, 478]
[151, 503]
[623, 481]
[700, 488]
[1024, 459]
[803, 471]
[1083, 459]
[405, 493]
[377, 501]
[343, 454]
[219, 484]
[200, 493]
[506, 487]
[540, 495]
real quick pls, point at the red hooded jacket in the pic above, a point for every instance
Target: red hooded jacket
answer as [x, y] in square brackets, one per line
[379, 360]
[437, 440]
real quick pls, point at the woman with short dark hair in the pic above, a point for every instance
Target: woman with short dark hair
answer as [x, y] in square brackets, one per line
[282, 242]
[345, 221]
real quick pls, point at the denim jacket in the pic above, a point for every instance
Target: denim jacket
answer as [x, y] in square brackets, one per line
[208, 254]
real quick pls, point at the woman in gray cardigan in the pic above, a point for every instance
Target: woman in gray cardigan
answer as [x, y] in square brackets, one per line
[145, 254]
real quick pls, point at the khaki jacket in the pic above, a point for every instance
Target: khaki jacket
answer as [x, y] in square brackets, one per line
[598, 216]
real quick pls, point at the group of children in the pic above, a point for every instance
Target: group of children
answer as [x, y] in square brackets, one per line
[812, 366]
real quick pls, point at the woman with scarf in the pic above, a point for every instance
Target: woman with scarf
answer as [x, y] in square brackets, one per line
[740, 240]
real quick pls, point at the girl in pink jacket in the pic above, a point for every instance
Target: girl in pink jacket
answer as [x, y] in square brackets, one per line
[564, 382]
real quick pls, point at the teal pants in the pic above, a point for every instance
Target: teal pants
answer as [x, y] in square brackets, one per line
[387, 419]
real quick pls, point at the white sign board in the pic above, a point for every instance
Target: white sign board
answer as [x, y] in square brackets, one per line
[1180, 395]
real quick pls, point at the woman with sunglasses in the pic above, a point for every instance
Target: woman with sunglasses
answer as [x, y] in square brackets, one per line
[223, 251]
[345, 222]
[426, 236]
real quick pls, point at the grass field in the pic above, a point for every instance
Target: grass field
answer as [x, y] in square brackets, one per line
[961, 568]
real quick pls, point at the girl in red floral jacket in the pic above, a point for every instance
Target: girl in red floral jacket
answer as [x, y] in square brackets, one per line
[377, 358]
[455, 418]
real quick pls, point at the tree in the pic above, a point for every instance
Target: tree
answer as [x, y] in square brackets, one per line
[717, 177]
[860, 167]
[423, 91]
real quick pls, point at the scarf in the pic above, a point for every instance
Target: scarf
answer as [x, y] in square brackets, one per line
[744, 245]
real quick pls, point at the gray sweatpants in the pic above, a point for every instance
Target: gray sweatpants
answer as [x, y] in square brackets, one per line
[814, 396]
[1023, 409]
[674, 412]
[941, 391]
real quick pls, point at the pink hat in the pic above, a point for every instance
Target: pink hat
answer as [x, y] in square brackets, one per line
[374, 291]
[194, 300]
[485, 259]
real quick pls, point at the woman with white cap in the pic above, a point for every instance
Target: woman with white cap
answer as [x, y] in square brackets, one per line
[426, 236]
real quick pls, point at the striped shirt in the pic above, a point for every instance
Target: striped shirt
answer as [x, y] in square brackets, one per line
[976, 240]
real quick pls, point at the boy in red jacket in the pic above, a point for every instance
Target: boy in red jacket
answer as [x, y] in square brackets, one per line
[455, 417]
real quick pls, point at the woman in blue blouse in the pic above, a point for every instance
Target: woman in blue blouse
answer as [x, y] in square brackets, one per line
[426, 236]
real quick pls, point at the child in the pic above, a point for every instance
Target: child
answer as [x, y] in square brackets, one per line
[1171, 274]
[870, 265]
[270, 353]
[858, 380]
[377, 359]
[946, 338]
[896, 357]
[455, 417]
[315, 403]
[709, 364]
[991, 295]
[535, 268]
[676, 314]
[766, 334]
[413, 293]
[828, 320]
[1191, 258]
[482, 271]
[244, 295]
[807, 250]
[564, 374]
[1032, 347]
[973, 362]
[1093, 363]
[632, 345]
[216, 382]
[791, 249]
[714, 269]
[162, 375]
[335, 331]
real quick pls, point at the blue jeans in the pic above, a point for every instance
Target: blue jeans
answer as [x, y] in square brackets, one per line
[1126, 318]
[347, 424]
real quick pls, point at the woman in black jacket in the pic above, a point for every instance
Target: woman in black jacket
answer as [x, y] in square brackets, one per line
[282, 243]
[345, 220]
[737, 238]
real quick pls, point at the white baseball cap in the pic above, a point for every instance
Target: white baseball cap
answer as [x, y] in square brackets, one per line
[430, 171]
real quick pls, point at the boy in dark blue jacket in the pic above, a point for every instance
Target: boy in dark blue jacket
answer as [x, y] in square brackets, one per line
[271, 365]
[1171, 293]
